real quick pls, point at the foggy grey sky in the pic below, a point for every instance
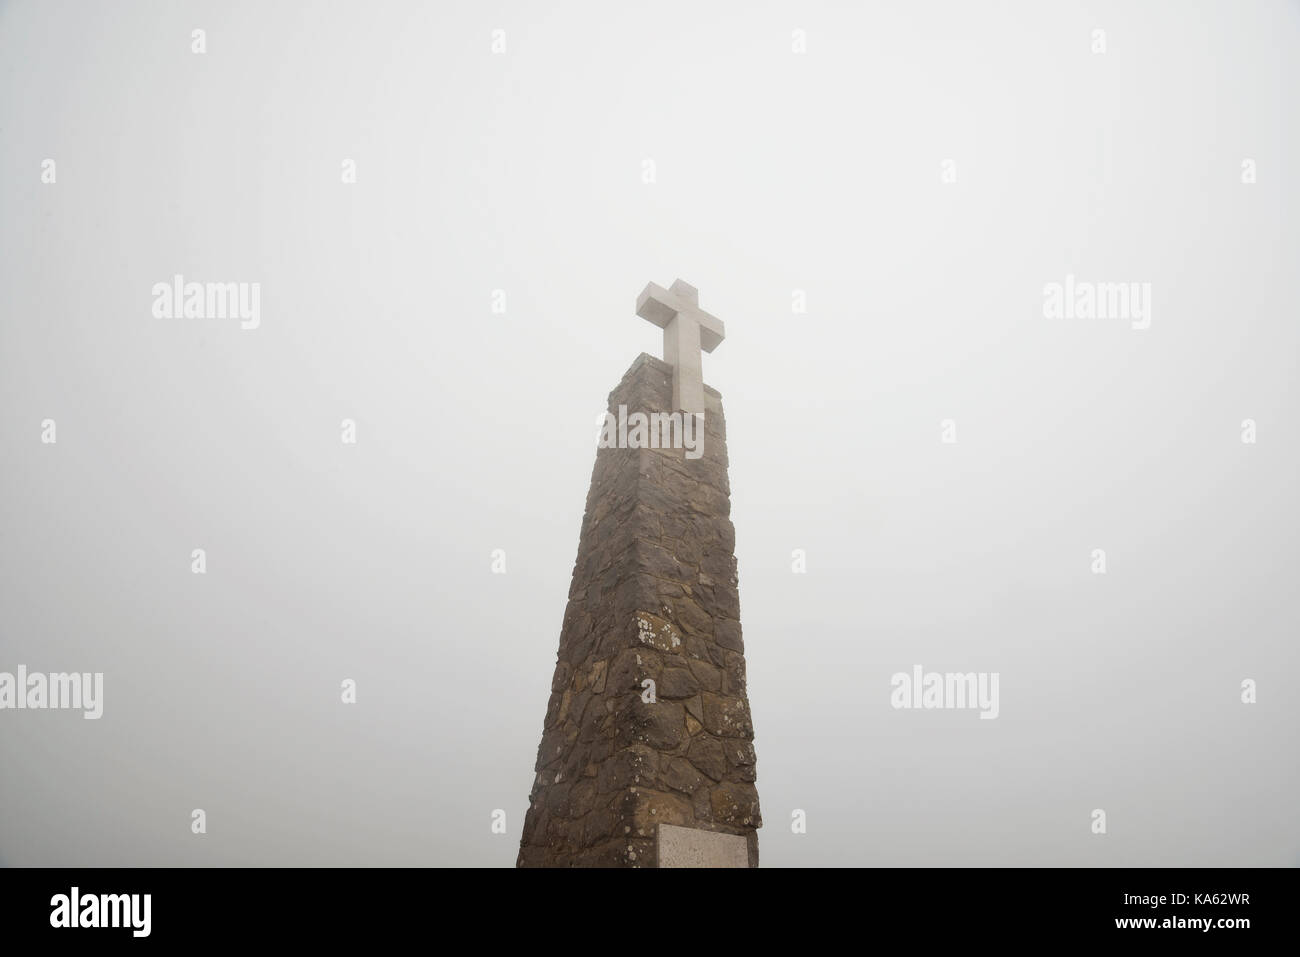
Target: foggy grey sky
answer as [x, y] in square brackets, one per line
[774, 172]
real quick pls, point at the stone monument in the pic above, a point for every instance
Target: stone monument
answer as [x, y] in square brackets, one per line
[647, 754]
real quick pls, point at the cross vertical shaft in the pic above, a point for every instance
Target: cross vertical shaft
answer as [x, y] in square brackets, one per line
[682, 352]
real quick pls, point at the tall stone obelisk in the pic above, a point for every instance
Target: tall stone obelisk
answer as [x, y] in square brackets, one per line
[647, 754]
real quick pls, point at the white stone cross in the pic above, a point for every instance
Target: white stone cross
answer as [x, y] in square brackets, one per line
[687, 330]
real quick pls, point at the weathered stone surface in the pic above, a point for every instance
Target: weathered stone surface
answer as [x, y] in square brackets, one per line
[657, 633]
[553, 710]
[631, 767]
[694, 707]
[630, 668]
[680, 776]
[693, 619]
[677, 683]
[658, 562]
[562, 674]
[661, 725]
[727, 717]
[708, 675]
[733, 675]
[653, 599]
[735, 803]
[707, 754]
[740, 759]
[727, 633]
[652, 808]
[582, 797]
[599, 825]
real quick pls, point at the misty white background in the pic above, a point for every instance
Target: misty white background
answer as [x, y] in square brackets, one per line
[775, 172]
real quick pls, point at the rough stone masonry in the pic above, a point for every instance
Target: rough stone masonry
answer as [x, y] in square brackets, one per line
[653, 606]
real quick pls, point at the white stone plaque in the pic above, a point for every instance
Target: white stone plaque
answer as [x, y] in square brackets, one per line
[691, 847]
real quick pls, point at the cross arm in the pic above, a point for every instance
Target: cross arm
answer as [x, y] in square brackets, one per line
[660, 306]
